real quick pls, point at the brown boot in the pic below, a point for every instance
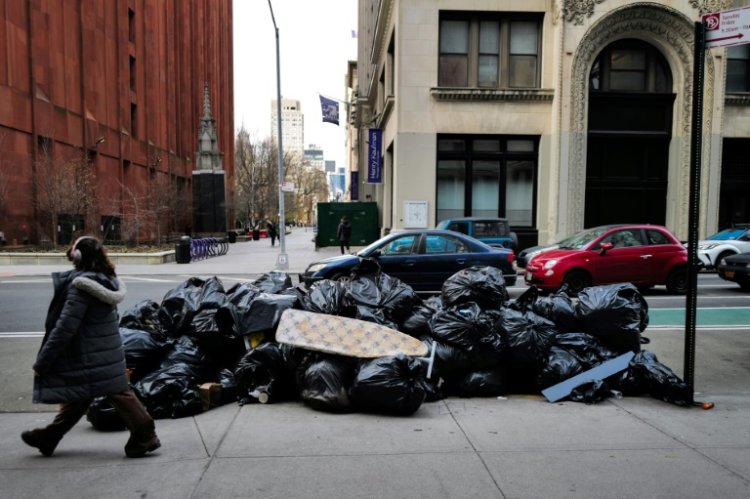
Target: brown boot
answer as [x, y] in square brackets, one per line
[36, 438]
[139, 449]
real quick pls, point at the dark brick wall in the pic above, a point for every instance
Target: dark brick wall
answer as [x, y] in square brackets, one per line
[71, 82]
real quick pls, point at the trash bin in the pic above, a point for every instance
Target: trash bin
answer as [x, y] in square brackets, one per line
[182, 250]
[256, 234]
[232, 236]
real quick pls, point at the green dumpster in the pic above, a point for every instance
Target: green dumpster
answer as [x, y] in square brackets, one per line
[363, 218]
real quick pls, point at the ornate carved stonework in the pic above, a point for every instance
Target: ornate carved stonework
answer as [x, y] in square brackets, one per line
[477, 94]
[706, 6]
[574, 11]
[671, 32]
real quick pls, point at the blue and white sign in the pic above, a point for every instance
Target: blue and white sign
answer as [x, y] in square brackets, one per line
[375, 156]
[330, 110]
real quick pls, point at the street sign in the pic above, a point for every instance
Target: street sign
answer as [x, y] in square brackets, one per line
[287, 187]
[728, 27]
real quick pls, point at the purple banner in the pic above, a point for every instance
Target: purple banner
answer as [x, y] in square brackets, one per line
[375, 156]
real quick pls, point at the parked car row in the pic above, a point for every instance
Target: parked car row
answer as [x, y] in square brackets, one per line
[643, 254]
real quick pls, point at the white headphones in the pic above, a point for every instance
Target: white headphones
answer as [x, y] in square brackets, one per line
[75, 253]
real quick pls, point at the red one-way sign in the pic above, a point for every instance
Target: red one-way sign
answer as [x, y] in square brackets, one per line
[728, 27]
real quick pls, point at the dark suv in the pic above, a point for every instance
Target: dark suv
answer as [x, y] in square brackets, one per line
[491, 231]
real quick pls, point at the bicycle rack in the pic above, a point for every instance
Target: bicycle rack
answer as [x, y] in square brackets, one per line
[206, 247]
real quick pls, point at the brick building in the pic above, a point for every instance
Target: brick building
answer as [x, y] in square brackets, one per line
[100, 107]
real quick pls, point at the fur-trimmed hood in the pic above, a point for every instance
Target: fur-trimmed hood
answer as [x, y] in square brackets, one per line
[101, 292]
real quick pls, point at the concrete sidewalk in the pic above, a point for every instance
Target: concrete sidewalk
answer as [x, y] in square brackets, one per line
[509, 447]
[244, 257]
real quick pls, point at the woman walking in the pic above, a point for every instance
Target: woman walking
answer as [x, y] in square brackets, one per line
[82, 357]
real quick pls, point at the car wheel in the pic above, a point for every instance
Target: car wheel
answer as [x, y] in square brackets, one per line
[677, 282]
[722, 256]
[343, 278]
[745, 287]
[576, 281]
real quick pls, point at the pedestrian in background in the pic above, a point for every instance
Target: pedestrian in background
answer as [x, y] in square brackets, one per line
[344, 233]
[273, 231]
[82, 357]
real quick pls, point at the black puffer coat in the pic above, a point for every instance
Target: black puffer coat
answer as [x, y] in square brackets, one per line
[81, 355]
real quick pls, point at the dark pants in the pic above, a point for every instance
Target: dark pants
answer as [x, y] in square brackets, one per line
[136, 418]
[344, 244]
[273, 239]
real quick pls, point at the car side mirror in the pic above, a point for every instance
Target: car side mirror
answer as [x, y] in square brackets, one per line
[605, 247]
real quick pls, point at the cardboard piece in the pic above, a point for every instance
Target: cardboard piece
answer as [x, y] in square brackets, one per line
[603, 370]
[210, 394]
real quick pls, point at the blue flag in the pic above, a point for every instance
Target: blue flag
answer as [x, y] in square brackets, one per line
[374, 156]
[330, 110]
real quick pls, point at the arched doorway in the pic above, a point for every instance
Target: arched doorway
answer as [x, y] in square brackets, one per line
[629, 130]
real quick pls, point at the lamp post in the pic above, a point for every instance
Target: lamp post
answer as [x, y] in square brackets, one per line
[282, 260]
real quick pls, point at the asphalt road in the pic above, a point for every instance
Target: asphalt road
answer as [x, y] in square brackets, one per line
[24, 300]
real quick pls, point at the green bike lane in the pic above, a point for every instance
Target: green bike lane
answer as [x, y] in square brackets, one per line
[705, 317]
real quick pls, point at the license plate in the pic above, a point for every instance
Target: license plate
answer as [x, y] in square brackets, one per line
[729, 274]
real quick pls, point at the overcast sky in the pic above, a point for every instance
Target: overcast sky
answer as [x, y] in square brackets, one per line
[316, 43]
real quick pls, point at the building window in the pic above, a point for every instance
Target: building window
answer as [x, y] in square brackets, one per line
[489, 50]
[132, 73]
[738, 68]
[133, 120]
[131, 25]
[630, 66]
[487, 176]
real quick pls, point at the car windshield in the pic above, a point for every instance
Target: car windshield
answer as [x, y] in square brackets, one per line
[727, 234]
[582, 238]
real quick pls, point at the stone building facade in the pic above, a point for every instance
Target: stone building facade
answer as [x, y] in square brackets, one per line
[558, 115]
[116, 88]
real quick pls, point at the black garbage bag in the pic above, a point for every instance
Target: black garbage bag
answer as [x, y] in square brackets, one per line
[228, 386]
[143, 351]
[490, 383]
[212, 297]
[646, 374]
[615, 313]
[171, 391]
[586, 348]
[266, 374]
[232, 316]
[324, 383]
[391, 385]
[103, 416]
[468, 328]
[179, 305]
[324, 297]
[484, 286]
[273, 282]
[529, 337]
[559, 366]
[187, 351]
[451, 362]
[265, 312]
[417, 323]
[560, 309]
[144, 316]
[591, 392]
[525, 302]
[379, 298]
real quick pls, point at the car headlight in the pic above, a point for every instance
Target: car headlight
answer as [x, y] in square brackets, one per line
[550, 263]
[707, 246]
[316, 267]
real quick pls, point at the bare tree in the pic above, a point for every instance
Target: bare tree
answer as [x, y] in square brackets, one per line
[63, 186]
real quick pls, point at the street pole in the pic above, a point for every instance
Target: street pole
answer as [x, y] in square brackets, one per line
[282, 260]
[696, 137]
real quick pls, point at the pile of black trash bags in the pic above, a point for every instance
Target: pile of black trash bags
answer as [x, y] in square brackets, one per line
[485, 344]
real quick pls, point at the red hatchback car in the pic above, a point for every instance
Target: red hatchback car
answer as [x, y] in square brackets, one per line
[646, 255]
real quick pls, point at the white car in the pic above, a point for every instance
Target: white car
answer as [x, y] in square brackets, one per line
[712, 251]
